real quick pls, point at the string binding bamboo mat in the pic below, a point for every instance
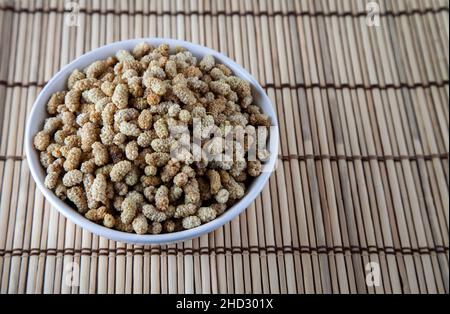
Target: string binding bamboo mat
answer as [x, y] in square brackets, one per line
[363, 173]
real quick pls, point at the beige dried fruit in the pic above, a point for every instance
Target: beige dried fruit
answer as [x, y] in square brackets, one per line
[108, 141]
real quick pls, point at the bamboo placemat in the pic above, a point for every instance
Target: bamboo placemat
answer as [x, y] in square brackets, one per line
[363, 173]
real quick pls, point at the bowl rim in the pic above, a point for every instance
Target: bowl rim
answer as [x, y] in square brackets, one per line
[165, 238]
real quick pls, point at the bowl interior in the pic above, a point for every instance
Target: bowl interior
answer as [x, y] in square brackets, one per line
[58, 83]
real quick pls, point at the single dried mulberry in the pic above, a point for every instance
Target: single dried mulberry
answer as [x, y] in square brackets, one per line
[140, 224]
[89, 134]
[129, 129]
[185, 210]
[100, 153]
[145, 119]
[141, 49]
[169, 226]
[206, 214]
[72, 100]
[129, 209]
[152, 98]
[132, 150]
[109, 221]
[96, 68]
[72, 177]
[98, 189]
[77, 196]
[214, 181]
[88, 166]
[73, 159]
[191, 192]
[149, 193]
[120, 170]
[162, 198]
[41, 140]
[155, 228]
[185, 95]
[155, 84]
[161, 128]
[51, 180]
[153, 214]
[108, 88]
[180, 179]
[191, 222]
[222, 196]
[96, 214]
[207, 63]
[120, 96]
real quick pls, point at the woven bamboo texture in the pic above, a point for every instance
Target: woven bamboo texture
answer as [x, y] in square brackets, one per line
[363, 172]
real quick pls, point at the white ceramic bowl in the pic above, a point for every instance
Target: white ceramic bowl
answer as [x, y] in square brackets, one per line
[58, 83]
